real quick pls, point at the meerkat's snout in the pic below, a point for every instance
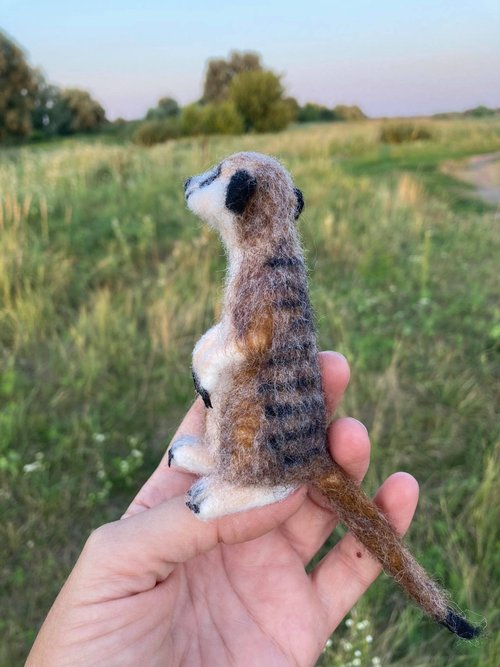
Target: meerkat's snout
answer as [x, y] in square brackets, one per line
[217, 197]
[204, 195]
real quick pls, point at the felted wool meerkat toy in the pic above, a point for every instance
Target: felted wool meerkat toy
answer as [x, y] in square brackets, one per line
[257, 372]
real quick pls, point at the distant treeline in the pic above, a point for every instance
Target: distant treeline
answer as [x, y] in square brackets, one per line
[239, 95]
[478, 112]
[252, 105]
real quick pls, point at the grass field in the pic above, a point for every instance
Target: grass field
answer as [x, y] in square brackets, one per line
[106, 281]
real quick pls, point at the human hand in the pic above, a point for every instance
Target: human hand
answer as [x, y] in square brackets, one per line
[160, 587]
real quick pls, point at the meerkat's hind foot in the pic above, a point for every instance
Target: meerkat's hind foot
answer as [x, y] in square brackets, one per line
[210, 498]
[188, 453]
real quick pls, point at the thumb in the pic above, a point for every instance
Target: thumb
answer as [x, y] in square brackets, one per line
[134, 554]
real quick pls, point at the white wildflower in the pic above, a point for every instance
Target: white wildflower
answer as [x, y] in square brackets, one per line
[357, 653]
[99, 437]
[32, 467]
[369, 639]
[349, 622]
[376, 662]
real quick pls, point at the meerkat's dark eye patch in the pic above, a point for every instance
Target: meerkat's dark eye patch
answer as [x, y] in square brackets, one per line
[300, 202]
[211, 177]
[239, 191]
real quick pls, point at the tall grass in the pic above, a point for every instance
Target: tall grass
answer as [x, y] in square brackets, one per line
[106, 281]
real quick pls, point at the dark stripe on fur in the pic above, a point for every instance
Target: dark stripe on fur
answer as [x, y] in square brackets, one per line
[276, 440]
[301, 323]
[293, 347]
[289, 303]
[291, 461]
[299, 385]
[213, 176]
[284, 359]
[277, 262]
[280, 410]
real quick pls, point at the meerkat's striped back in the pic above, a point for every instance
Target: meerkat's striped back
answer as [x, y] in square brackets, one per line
[289, 382]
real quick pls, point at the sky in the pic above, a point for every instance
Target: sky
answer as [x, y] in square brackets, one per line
[391, 57]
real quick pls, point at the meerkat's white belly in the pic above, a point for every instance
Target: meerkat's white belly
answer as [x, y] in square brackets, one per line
[211, 356]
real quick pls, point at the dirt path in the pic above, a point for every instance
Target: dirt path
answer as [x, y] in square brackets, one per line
[481, 171]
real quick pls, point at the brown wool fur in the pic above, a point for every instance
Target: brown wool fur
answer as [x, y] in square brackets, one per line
[266, 427]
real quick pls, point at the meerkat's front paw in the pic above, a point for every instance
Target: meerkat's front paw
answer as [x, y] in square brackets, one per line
[210, 498]
[189, 454]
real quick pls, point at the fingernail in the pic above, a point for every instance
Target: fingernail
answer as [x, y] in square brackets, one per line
[358, 422]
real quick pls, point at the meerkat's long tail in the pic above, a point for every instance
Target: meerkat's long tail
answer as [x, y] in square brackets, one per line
[371, 527]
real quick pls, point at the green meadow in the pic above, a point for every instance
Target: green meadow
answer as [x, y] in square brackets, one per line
[106, 282]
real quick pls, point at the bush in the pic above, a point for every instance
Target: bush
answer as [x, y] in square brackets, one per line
[167, 107]
[481, 112]
[399, 133]
[221, 118]
[153, 132]
[346, 112]
[315, 113]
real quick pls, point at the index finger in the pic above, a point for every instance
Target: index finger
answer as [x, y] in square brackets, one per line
[335, 376]
[165, 482]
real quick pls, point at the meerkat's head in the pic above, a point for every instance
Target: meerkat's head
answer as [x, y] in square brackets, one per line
[246, 197]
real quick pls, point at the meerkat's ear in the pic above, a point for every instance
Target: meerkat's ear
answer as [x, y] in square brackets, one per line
[300, 202]
[240, 190]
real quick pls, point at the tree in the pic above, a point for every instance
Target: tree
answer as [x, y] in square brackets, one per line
[294, 108]
[80, 112]
[221, 72]
[313, 113]
[346, 112]
[18, 86]
[167, 107]
[258, 97]
[480, 112]
[50, 113]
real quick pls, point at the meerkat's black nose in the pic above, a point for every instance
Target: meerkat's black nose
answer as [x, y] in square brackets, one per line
[186, 183]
